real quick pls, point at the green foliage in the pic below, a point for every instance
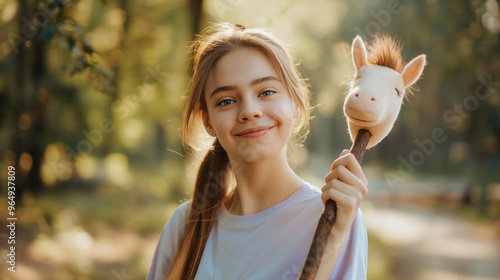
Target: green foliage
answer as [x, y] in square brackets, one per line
[135, 52]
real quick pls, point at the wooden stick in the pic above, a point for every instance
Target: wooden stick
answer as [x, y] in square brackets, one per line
[328, 217]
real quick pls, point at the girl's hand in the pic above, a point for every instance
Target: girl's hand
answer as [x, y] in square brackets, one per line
[346, 184]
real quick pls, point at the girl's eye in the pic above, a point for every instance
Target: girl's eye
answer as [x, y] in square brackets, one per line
[398, 92]
[268, 91]
[222, 103]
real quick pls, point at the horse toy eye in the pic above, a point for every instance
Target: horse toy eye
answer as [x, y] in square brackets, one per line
[399, 94]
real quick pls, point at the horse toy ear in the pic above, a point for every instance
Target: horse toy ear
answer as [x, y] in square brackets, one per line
[413, 70]
[359, 54]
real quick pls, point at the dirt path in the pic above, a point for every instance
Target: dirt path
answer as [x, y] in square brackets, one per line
[431, 245]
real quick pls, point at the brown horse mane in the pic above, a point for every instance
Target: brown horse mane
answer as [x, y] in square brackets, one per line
[385, 51]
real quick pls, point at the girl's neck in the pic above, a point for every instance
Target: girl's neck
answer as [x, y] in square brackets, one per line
[261, 185]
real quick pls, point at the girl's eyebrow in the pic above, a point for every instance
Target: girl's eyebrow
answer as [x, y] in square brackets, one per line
[252, 83]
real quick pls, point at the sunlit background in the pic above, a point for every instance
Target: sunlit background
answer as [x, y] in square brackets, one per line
[90, 99]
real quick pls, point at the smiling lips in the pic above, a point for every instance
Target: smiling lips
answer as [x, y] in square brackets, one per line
[255, 132]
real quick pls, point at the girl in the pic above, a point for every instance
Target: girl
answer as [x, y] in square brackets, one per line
[251, 216]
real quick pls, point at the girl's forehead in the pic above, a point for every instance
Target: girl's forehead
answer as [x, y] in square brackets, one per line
[238, 68]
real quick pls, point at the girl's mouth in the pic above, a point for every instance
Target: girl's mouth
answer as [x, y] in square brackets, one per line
[256, 134]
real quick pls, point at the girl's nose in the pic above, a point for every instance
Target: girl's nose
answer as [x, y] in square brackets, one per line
[249, 114]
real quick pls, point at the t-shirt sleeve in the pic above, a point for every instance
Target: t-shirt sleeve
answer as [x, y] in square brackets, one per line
[353, 260]
[169, 239]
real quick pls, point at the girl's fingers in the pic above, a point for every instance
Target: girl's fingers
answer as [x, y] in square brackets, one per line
[344, 153]
[350, 162]
[336, 195]
[347, 192]
[344, 175]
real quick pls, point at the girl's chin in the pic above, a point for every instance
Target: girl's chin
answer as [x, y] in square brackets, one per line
[256, 154]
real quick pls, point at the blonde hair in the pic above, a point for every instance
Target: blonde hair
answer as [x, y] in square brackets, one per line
[211, 187]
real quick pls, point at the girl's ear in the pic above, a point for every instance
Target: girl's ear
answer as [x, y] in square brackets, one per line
[296, 112]
[206, 123]
[206, 120]
[413, 70]
[359, 53]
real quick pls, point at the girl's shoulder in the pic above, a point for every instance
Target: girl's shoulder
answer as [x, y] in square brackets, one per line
[169, 238]
[179, 216]
[309, 194]
[173, 228]
[311, 189]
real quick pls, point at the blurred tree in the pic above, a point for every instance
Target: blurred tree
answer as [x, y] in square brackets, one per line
[196, 9]
[38, 24]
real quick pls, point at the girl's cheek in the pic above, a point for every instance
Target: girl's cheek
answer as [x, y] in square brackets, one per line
[283, 113]
[224, 121]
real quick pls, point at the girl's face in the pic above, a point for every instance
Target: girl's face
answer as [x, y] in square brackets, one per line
[243, 92]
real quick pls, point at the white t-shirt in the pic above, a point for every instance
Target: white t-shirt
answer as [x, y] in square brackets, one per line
[272, 244]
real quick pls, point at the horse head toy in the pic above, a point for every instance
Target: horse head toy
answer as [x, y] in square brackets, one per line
[371, 108]
[380, 84]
